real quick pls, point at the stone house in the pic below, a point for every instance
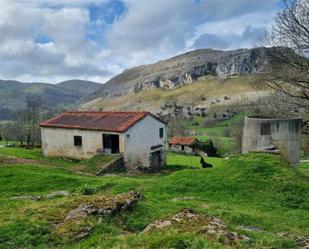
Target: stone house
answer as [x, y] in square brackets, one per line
[182, 144]
[138, 137]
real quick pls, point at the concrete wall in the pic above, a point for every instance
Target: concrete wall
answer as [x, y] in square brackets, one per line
[285, 135]
[140, 138]
[60, 142]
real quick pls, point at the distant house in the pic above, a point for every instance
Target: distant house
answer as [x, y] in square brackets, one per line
[137, 136]
[182, 144]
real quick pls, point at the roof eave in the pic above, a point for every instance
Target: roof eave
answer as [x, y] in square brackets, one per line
[81, 128]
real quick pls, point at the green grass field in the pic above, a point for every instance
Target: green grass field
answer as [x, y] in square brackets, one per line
[226, 145]
[5, 142]
[248, 190]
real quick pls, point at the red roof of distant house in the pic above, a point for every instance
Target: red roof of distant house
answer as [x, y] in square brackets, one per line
[92, 120]
[182, 140]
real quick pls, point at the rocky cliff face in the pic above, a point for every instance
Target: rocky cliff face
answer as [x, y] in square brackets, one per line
[185, 68]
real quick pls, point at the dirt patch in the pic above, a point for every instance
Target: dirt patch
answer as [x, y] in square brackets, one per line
[51, 195]
[187, 220]
[184, 198]
[17, 160]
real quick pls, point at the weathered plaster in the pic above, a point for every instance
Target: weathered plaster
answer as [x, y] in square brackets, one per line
[285, 135]
[136, 144]
[60, 142]
[140, 138]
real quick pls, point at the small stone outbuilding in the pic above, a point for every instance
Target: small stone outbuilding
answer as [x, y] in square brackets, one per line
[273, 135]
[138, 137]
[182, 144]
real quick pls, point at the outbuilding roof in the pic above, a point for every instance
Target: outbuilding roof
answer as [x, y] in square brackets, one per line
[182, 140]
[94, 120]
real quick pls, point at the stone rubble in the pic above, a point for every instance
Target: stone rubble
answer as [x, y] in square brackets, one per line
[105, 206]
[188, 219]
[99, 206]
[300, 240]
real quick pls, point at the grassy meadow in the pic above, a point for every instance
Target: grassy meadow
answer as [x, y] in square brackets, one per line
[254, 190]
[220, 132]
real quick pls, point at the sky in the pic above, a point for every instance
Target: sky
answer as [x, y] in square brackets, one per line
[56, 40]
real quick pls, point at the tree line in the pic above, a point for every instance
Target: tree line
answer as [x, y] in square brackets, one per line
[24, 127]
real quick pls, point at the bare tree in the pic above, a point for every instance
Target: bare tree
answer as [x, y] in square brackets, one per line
[33, 117]
[177, 126]
[289, 70]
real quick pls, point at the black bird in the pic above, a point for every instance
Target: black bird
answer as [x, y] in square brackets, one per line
[205, 164]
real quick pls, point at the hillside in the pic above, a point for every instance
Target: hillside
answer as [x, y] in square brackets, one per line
[206, 92]
[184, 69]
[13, 94]
[249, 201]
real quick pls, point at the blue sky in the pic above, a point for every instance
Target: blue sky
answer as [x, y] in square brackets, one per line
[54, 40]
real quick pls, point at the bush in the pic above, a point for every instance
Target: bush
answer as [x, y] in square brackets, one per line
[207, 147]
[227, 132]
[87, 189]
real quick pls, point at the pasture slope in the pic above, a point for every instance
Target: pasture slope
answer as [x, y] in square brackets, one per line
[256, 195]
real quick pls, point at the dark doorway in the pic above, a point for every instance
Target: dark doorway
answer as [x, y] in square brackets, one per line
[111, 143]
[156, 160]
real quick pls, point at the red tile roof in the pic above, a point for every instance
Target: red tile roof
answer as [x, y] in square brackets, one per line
[91, 120]
[182, 140]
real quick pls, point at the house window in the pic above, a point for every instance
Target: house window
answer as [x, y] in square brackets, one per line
[161, 133]
[78, 141]
[265, 129]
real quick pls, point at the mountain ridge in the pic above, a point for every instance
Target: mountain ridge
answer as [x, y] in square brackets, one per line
[184, 69]
[13, 94]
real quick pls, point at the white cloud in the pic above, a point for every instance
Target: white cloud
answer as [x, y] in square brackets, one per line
[152, 30]
[237, 32]
[46, 40]
[67, 55]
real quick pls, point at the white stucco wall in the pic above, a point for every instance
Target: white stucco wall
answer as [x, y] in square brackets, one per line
[135, 144]
[60, 142]
[178, 148]
[142, 136]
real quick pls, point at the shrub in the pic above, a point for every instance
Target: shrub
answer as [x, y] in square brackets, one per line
[227, 132]
[207, 147]
[87, 189]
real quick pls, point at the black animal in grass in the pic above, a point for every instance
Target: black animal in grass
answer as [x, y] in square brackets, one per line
[204, 164]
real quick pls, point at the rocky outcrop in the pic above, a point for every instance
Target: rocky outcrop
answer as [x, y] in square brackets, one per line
[300, 240]
[189, 220]
[80, 221]
[184, 69]
[104, 206]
